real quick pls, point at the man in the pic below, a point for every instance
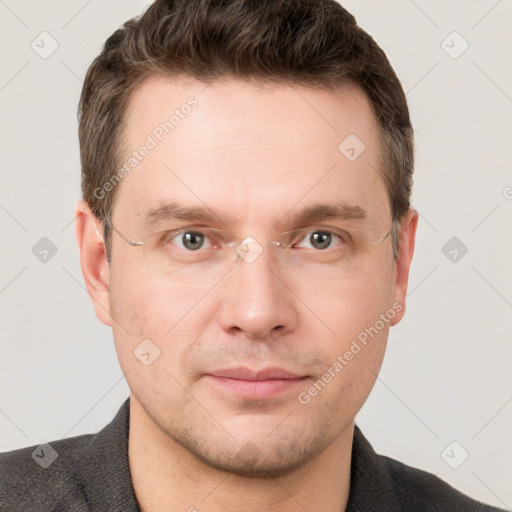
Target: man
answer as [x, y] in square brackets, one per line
[246, 232]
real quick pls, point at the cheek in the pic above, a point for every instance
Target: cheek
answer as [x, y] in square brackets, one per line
[139, 314]
[356, 314]
[341, 309]
[145, 307]
[143, 314]
[146, 304]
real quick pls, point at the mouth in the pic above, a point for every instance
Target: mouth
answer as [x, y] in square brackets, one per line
[255, 384]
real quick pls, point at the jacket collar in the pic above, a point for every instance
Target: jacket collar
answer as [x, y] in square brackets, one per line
[107, 482]
[371, 485]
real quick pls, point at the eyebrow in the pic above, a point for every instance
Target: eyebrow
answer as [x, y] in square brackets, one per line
[332, 210]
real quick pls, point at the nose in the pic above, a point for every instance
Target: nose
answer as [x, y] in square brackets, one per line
[257, 300]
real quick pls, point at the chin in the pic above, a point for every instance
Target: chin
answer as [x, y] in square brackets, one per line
[256, 458]
[251, 462]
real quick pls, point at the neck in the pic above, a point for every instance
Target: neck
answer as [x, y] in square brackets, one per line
[165, 476]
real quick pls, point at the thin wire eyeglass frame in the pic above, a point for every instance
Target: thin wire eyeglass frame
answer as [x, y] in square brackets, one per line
[395, 225]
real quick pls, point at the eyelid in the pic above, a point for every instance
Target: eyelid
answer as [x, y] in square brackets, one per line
[170, 234]
[215, 230]
[343, 234]
[230, 239]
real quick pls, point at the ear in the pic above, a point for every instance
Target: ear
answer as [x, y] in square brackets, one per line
[407, 237]
[93, 260]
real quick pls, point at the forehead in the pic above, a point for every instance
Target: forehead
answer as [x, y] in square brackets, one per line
[254, 148]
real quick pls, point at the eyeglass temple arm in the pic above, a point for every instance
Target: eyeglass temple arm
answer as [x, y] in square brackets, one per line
[129, 241]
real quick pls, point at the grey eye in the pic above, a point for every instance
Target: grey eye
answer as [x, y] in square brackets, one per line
[192, 240]
[320, 239]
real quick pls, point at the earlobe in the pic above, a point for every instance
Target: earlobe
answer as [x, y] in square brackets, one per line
[407, 236]
[93, 260]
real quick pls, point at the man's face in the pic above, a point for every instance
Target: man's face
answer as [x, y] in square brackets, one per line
[242, 343]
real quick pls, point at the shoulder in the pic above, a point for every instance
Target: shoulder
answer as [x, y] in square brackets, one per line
[43, 477]
[418, 490]
[380, 483]
[77, 474]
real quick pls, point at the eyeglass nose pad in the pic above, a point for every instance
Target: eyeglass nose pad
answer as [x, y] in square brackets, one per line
[249, 249]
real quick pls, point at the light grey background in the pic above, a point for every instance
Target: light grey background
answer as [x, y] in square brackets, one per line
[446, 375]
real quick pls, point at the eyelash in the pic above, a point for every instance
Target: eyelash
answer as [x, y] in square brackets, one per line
[343, 237]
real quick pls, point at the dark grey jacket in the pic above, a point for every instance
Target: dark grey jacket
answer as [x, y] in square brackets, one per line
[91, 473]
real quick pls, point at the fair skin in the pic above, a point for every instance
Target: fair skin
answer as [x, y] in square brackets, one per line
[256, 154]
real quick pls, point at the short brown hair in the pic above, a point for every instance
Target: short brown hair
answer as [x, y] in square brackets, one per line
[316, 43]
